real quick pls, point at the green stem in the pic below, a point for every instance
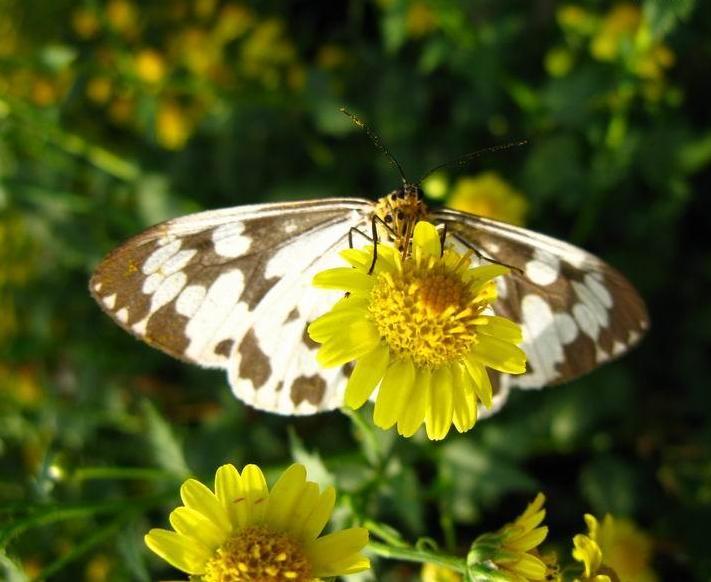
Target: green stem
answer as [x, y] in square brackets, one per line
[97, 473]
[409, 554]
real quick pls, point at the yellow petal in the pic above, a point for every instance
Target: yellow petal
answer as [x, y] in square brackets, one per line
[426, 238]
[317, 520]
[345, 278]
[331, 324]
[528, 541]
[198, 497]
[485, 273]
[502, 328]
[414, 413]
[480, 377]
[464, 399]
[530, 567]
[350, 565]
[183, 553]
[499, 355]
[303, 508]
[395, 390]
[355, 341]
[256, 494]
[284, 497]
[230, 491]
[367, 373]
[193, 524]
[335, 547]
[438, 415]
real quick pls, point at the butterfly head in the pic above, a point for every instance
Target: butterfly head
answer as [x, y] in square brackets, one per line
[398, 212]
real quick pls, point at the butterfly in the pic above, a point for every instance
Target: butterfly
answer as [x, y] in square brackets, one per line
[232, 289]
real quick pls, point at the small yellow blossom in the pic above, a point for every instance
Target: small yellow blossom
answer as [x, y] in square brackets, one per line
[489, 196]
[421, 329]
[614, 551]
[233, 22]
[618, 27]
[122, 16]
[149, 66]
[244, 531]
[85, 23]
[420, 20]
[99, 89]
[173, 125]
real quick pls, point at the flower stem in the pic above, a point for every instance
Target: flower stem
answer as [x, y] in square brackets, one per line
[409, 554]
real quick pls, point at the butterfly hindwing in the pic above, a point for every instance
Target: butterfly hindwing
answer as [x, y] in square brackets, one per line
[576, 311]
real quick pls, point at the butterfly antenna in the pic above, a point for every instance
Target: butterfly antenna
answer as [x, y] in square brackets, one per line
[467, 158]
[377, 141]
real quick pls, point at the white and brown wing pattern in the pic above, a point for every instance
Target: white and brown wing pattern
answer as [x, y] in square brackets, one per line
[232, 289]
[576, 311]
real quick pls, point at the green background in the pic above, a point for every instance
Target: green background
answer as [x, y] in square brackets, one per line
[235, 103]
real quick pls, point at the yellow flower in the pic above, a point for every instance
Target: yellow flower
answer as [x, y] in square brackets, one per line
[173, 125]
[122, 16]
[149, 66]
[520, 541]
[618, 27]
[614, 550]
[420, 328]
[490, 196]
[420, 20]
[434, 573]
[243, 531]
[85, 23]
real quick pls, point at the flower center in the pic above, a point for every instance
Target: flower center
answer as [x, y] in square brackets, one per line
[257, 554]
[425, 313]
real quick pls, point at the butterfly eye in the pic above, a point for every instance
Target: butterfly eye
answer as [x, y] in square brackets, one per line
[388, 218]
[400, 215]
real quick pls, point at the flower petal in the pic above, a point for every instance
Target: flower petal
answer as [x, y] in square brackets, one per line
[482, 384]
[229, 489]
[438, 415]
[368, 371]
[186, 554]
[344, 278]
[346, 311]
[358, 339]
[427, 239]
[325, 553]
[395, 390]
[193, 524]
[499, 355]
[502, 328]
[313, 525]
[414, 412]
[464, 399]
[256, 495]
[197, 496]
[284, 497]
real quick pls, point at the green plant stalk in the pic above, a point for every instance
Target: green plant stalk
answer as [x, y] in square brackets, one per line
[409, 554]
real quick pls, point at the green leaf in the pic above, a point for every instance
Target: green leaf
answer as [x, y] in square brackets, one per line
[315, 467]
[165, 448]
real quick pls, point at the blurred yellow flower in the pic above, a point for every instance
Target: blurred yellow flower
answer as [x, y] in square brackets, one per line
[652, 63]
[99, 89]
[44, 92]
[233, 22]
[244, 531]
[330, 56]
[420, 20]
[616, 550]
[122, 16]
[121, 109]
[559, 61]
[265, 51]
[417, 329]
[618, 26]
[149, 66]
[575, 18]
[173, 125]
[85, 22]
[434, 573]
[204, 9]
[490, 196]
[98, 569]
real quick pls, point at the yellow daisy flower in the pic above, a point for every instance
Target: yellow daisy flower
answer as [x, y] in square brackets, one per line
[614, 550]
[489, 195]
[244, 532]
[519, 544]
[421, 329]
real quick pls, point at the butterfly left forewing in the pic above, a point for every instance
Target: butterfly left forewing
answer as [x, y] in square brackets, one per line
[576, 311]
[189, 286]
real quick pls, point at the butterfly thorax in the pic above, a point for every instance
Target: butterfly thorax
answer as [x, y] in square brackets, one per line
[397, 214]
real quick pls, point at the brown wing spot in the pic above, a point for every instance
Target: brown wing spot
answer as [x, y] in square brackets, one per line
[311, 388]
[279, 386]
[166, 327]
[293, 314]
[254, 364]
[224, 348]
[347, 369]
[308, 342]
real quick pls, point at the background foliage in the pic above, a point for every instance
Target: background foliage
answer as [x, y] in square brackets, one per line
[116, 115]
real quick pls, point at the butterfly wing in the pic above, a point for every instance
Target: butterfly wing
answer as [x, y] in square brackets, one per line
[576, 311]
[232, 289]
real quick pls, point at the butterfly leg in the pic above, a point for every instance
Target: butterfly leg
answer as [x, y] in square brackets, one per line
[360, 232]
[442, 238]
[482, 257]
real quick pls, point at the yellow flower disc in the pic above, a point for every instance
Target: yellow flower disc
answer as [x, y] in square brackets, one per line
[257, 553]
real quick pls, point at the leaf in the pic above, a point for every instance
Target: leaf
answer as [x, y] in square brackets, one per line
[166, 450]
[315, 467]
